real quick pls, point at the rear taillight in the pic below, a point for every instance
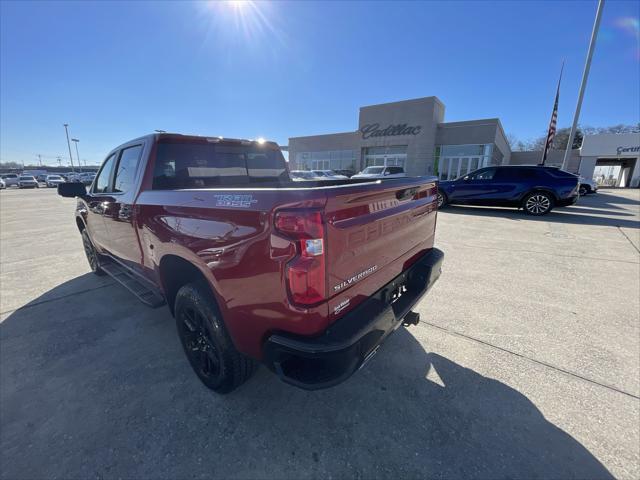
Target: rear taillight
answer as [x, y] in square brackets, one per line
[306, 272]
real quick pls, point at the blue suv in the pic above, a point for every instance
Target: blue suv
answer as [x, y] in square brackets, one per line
[535, 189]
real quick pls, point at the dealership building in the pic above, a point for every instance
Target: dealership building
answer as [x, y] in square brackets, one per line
[413, 134]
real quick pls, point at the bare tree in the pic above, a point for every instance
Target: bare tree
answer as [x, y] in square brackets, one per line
[512, 140]
[562, 136]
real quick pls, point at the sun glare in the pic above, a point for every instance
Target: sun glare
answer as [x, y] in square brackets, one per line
[237, 4]
[232, 20]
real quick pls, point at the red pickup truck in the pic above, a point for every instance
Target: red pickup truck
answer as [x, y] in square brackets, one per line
[307, 278]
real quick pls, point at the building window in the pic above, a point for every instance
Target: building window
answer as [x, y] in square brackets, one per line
[326, 160]
[391, 156]
[453, 161]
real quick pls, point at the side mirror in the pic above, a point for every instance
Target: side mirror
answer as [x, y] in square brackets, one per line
[387, 173]
[72, 189]
[465, 178]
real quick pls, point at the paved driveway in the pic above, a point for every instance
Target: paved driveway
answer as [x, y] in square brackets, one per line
[526, 364]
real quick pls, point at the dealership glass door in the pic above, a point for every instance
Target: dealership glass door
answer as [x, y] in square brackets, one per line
[394, 156]
[319, 164]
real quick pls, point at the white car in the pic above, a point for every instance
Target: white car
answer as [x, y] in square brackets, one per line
[10, 179]
[381, 172]
[2, 184]
[73, 177]
[587, 185]
[53, 180]
[303, 175]
[27, 181]
[86, 178]
[328, 175]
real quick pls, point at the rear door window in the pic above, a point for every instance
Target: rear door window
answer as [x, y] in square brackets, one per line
[205, 165]
[519, 174]
[509, 174]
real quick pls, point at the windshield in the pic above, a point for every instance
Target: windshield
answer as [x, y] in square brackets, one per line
[373, 170]
[54, 177]
[26, 178]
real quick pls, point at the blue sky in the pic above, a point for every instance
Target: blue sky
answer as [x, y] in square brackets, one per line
[117, 70]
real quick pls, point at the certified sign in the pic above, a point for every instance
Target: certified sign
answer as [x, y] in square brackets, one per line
[622, 150]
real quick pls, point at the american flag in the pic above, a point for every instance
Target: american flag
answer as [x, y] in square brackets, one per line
[552, 124]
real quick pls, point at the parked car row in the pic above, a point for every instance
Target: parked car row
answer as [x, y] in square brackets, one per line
[53, 180]
[369, 172]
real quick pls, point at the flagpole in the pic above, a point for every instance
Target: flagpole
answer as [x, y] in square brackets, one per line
[583, 84]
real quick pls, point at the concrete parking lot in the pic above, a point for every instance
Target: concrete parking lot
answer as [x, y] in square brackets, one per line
[526, 364]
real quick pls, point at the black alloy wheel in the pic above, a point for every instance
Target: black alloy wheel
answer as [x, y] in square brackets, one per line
[92, 256]
[206, 343]
[199, 346]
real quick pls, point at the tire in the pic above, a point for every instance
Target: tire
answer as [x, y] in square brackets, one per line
[92, 256]
[538, 203]
[206, 343]
[583, 190]
[442, 199]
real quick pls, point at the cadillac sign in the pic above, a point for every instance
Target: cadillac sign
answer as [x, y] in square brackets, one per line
[373, 130]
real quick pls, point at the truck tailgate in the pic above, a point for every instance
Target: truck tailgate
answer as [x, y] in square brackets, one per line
[373, 234]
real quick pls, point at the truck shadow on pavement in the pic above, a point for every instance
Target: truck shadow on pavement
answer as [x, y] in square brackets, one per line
[96, 385]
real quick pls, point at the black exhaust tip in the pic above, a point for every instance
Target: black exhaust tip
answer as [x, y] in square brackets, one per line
[411, 318]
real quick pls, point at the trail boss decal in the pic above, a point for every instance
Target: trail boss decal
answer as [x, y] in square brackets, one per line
[355, 278]
[240, 201]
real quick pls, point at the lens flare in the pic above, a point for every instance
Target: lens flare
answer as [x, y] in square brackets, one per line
[630, 26]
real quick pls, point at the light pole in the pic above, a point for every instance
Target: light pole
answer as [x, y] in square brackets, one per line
[66, 129]
[583, 84]
[75, 140]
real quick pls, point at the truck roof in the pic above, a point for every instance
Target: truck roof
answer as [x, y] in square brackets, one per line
[215, 138]
[197, 138]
